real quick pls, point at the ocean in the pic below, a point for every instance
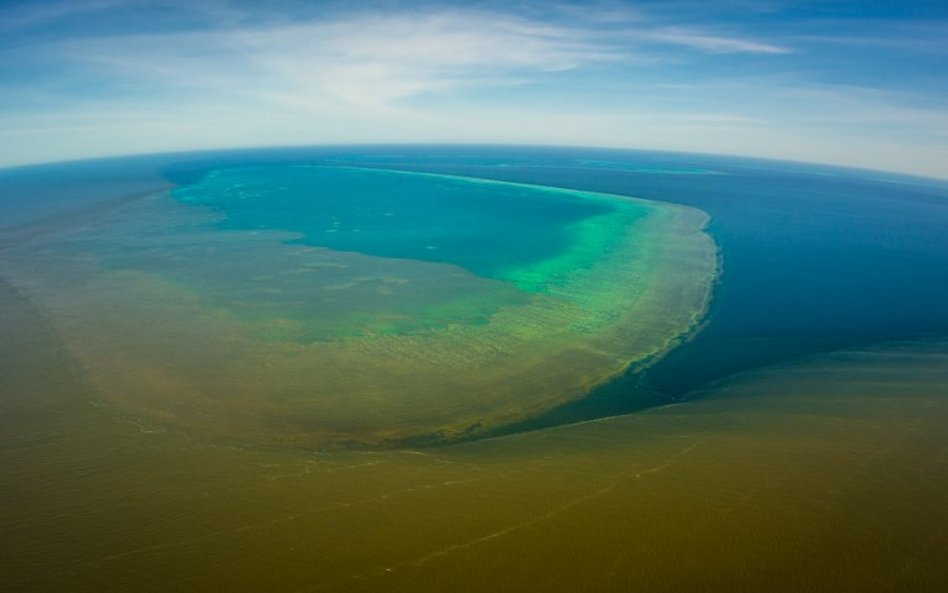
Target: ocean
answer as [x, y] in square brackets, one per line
[791, 437]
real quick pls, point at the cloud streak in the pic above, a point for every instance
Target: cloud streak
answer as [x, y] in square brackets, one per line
[372, 62]
[219, 73]
[714, 43]
[369, 62]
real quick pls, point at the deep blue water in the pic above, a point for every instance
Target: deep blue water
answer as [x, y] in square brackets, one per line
[815, 258]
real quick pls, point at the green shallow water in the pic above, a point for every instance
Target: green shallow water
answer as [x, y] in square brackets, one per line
[496, 230]
[338, 307]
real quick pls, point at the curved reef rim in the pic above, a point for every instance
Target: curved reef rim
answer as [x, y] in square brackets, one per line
[181, 323]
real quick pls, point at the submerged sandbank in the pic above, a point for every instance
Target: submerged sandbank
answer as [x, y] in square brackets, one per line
[183, 317]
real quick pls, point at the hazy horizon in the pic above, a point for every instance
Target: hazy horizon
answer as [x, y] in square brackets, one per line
[849, 84]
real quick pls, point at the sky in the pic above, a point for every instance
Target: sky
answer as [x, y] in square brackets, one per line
[860, 83]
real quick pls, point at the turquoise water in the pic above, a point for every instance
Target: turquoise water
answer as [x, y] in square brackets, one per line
[493, 230]
[815, 258]
[333, 307]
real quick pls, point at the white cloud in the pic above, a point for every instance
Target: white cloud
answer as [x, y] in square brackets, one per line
[710, 43]
[364, 61]
[373, 62]
[367, 62]
[362, 77]
[24, 15]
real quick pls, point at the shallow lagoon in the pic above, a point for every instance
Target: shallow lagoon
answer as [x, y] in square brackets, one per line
[336, 307]
[824, 472]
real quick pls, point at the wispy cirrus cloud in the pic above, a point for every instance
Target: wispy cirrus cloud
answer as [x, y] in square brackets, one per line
[33, 14]
[365, 61]
[370, 60]
[87, 77]
[719, 44]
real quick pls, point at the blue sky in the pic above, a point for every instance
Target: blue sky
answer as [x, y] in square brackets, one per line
[855, 83]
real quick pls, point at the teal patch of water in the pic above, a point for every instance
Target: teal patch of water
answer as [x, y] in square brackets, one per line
[527, 235]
